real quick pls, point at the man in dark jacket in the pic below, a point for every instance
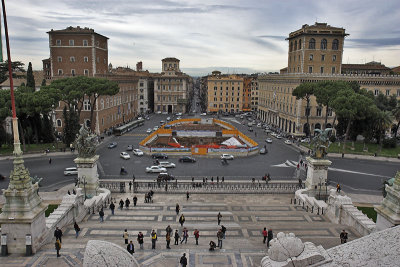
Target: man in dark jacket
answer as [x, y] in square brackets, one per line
[134, 201]
[140, 239]
[176, 237]
[58, 234]
[112, 208]
[131, 248]
[270, 236]
[127, 202]
[183, 260]
[343, 237]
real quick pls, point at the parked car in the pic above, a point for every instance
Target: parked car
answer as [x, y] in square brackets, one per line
[155, 128]
[227, 156]
[178, 118]
[166, 176]
[124, 155]
[268, 131]
[305, 140]
[178, 114]
[149, 131]
[159, 156]
[158, 112]
[273, 134]
[137, 152]
[156, 169]
[168, 118]
[279, 136]
[263, 151]
[166, 164]
[165, 113]
[203, 114]
[129, 148]
[288, 142]
[162, 122]
[112, 145]
[70, 171]
[187, 159]
[259, 125]
[268, 140]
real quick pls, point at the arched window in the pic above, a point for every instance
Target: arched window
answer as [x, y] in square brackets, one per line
[323, 44]
[311, 44]
[335, 44]
[295, 45]
[291, 47]
[59, 124]
[102, 104]
[300, 44]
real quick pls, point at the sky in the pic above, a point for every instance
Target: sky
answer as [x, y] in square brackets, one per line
[234, 36]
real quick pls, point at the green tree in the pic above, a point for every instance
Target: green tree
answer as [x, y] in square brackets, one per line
[16, 66]
[43, 82]
[396, 115]
[305, 91]
[71, 125]
[30, 79]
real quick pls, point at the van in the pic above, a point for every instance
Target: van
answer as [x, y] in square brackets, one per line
[71, 171]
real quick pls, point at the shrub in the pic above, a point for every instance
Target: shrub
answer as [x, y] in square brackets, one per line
[389, 143]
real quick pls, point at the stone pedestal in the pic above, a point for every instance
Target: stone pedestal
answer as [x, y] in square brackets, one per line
[317, 175]
[88, 177]
[389, 210]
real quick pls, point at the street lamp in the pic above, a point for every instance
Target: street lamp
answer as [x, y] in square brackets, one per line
[84, 184]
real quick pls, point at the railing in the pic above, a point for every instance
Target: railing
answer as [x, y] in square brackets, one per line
[171, 187]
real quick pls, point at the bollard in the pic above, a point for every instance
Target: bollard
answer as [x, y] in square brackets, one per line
[312, 209]
[28, 244]
[291, 201]
[318, 211]
[4, 249]
[295, 201]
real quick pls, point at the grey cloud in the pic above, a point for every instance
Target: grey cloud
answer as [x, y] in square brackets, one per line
[277, 37]
[375, 42]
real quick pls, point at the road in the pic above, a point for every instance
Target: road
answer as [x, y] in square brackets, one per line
[280, 162]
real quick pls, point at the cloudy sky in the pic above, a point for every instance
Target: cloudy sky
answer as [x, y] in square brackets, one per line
[240, 35]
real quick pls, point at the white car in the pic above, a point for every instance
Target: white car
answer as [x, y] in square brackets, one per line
[305, 140]
[166, 164]
[149, 131]
[168, 118]
[288, 142]
[273, 134]
[165, 113]
[71, 171]
[227, 156]
[158, 112]
[137, 152]
[268, 140]
[155, 128]
[156, 169]
[203, 114]
[278, 137]
[178, 118]
[178, 114]
[124, 155]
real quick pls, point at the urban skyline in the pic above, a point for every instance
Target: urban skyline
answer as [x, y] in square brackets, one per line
[238, 37]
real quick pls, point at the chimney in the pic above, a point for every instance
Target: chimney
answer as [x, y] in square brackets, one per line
[139, 66]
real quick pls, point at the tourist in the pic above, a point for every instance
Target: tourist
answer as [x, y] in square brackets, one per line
[112, 207]
[177, 208]
[223, 230]
[217, 179]
[185, 235]
[131, 248]
[270, 236]
[223, 179]
[153, 239]
[183, 260]
[187, 195]
[343, 237]
[130, 185]
[196, 234]
[77, 229]
[219, 217]
[125, 235]
[58, 234]
[300, 183]
[220, 237]
[212, 245]
[121, 204]
[338, 188]
[140, 239]
[127, 202]
[168, 239]
[58, 247]
[101, 214]
[265, 234]
[168, 230]
[134, 201]
[182, 220]
[176, 237]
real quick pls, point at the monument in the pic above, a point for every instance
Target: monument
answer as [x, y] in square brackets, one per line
[88, 177]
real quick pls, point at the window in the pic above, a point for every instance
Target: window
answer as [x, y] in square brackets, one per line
[141, 84]
[86, 71]
[329, 112]
[323, 44]
[322, 57]
[72, 59]
[322, 69]
[102, 104]
[98, 60]
[60, 71]
[333, 70]
[300, 44]
[334, 58]
[295, 45]
[335, 44]
[387, 92]
[319, 111]
[376, 92]
[72, 72]
[85, 59]
[71, 42]
[311, 44]
[85, 42]
[311, 57]
[58, 42]
[309, 69]
[291, 47]
[59, 123]
[59, 59]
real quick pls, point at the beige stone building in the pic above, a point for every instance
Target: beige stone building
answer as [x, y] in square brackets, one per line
[254, 93]
[315, 54]
[171, 88]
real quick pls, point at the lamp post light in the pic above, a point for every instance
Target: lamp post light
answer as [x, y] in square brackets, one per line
[84, 184]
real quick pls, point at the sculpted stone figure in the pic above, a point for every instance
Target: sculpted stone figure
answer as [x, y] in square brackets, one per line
[85, 143]
[320, 143]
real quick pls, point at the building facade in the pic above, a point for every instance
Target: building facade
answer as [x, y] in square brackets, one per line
[278, 107]
[254, 93]
[373, 67]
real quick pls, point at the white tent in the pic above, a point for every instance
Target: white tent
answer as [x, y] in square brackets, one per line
[232, 142]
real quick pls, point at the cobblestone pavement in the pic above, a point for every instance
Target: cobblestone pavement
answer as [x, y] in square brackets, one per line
[244, 216]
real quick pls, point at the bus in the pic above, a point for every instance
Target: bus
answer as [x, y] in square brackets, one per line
[127, 127]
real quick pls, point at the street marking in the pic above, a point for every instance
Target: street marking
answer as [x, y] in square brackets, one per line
[355, 172]
[135, 134]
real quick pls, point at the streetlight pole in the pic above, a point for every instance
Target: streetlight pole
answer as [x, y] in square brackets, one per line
[84, 184]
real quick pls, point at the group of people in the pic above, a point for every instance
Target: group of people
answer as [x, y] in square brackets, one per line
[267, 235]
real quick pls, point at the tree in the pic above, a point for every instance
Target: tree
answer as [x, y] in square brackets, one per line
[305, 91]
[396, 115]
[30, 79]
[71, 125]
[43, 82]
[16, 66]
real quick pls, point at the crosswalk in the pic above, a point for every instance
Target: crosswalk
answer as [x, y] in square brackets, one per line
[287, 164]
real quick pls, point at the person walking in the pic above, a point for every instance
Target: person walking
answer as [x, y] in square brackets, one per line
[130, 185]
[187, 195]
[125, 235]
[265, 234]
[176, 237]
[183, 260]
[101, 214]
[58, 247]
[168, 239]
[121, 204]
[127, 202]
[77, 229]
[58, 234]
[140, 239]
[196, 234]
[131, 248]
[153, 239]
[220, 237]
[219, 217]
[134, 201]
[185, 235]
[343, 237]
[338, 188]
[223, 179]
[270, 236]
[223, 230]
[168, 230]
[182, 220]
[112, 207]
[177, 208]
[49, 160]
